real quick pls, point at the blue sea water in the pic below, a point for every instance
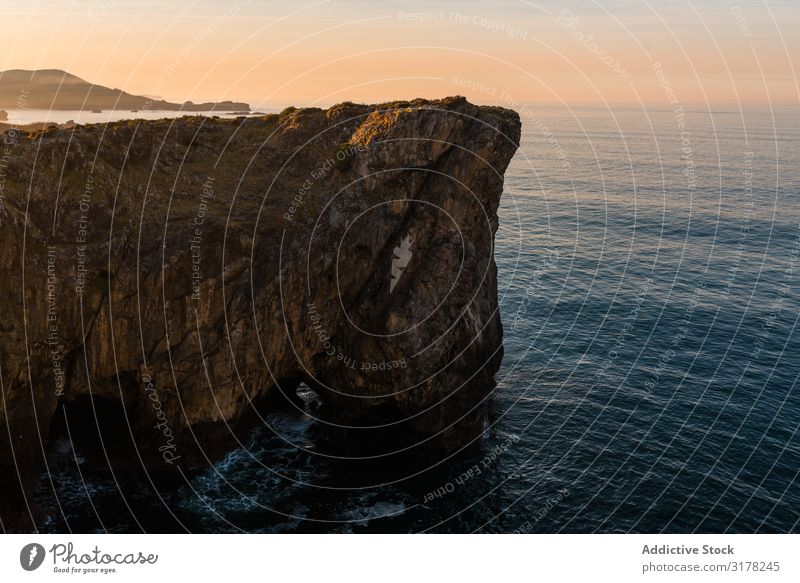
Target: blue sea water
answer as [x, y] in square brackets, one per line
[649, 268]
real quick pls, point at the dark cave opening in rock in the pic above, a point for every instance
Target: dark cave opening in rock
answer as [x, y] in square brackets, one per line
[97, 427]
[382, 432]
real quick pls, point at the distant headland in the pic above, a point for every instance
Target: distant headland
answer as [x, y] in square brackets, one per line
[53, 89]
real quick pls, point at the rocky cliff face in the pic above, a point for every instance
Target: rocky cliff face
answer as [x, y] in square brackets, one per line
[167, 282]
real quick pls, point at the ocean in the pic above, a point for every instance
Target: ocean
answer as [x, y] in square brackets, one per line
[21, 117]
[649, 272]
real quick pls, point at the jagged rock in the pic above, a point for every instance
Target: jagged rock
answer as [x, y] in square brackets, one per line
[170, 281]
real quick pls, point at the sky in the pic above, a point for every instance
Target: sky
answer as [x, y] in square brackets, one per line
[320, 52]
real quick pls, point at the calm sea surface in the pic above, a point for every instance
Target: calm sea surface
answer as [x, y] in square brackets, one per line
[649, 281]
[28, 116]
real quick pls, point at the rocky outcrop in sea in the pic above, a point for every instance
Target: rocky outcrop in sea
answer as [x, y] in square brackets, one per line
[169, 282]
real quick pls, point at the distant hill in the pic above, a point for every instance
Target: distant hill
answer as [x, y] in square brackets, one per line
[58, 90]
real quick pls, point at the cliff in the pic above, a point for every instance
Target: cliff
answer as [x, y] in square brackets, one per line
[52, 89]
[168, 282]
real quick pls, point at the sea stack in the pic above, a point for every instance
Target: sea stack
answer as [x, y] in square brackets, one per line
[183, 277]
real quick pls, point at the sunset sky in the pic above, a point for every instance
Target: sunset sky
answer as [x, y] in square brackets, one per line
[305, 52]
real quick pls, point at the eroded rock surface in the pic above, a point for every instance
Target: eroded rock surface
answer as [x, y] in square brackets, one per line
[173, 280]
